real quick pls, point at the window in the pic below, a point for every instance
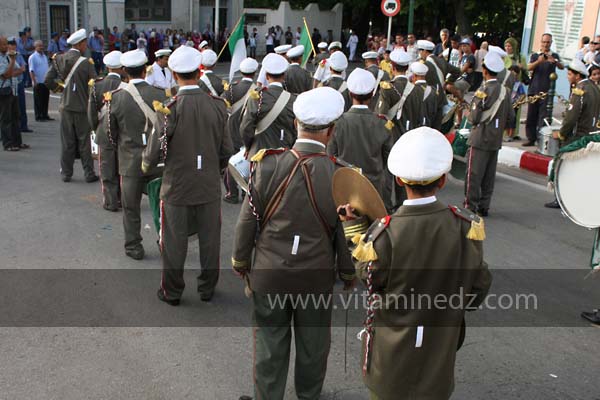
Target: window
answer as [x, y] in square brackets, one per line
[147, 10]
[256, 19]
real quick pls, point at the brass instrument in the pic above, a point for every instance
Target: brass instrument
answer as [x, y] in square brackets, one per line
[60, 82]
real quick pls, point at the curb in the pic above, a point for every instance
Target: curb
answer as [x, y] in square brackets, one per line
[523, 159]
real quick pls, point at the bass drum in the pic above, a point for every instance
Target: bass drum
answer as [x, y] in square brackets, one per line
[577, 188]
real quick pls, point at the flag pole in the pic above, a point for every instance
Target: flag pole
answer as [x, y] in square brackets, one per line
[230, 32]
[309, 38]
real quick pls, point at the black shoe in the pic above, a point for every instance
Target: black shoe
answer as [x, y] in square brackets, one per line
[484, 212]
[206, 296]
[136, 254]
[92, 179]
[231, 199]
[245, 398]
[593, 317]
[112, 209]
[49, 119]
[26, 130]
[66, 178]
[529, 143]
[161, 297]
[516, 138]
[552, 204]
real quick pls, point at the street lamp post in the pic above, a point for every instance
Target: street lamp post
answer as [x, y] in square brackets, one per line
[411, 16]
[105, 29]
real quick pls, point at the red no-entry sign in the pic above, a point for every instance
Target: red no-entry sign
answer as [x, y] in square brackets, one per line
[390, 8]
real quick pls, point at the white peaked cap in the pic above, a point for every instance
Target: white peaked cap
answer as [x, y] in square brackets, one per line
[334, 45]
[400, 57]
[493, 62]
[578, 66]
[185, 59]
[162, 52]
[425, 45]
[296, 51]
[420, 156]
[134, 58]
[77, 37]
[319, 108]
[113, 59]
[248, 65]
[209, 58]
[338, 61]
[419, 68]
[361, 81]
[275, 64]
[283, 48]
[369, 55]
[322, 45]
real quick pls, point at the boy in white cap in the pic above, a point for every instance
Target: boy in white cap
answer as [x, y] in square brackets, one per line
[283, 49]
[360, 137]
[195, 144]
[322, 53]
[410, 351]
[322, 72]
[299, 251]
[581, 116]
[70, 73]
[371, 65]
[158, 74]
[337, 68]
[297, 78]
[96, 112]
[490, 110]
[504, 76]
[237, 94]
[429, 99]
[209, 82]
[130, 121]
[438, 70]
[268, 120]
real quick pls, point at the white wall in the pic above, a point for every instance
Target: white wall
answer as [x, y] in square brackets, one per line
[115, 14]
[285, 16]
[16, 15]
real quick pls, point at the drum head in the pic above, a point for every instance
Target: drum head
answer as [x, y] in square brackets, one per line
[577, 188]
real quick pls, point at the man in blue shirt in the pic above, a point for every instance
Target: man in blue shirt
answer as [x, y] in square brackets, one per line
[38, 66]
[96, 45]
[63, 46]
[53, 45]
[19, 83]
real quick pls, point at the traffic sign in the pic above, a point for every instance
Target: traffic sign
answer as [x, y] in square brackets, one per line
[390, 8]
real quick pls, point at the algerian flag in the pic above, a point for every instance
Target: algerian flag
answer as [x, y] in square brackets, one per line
[237, 48]
[306, 41]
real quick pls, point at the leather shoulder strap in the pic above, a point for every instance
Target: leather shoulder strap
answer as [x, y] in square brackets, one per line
[273, 113]
[72, 71]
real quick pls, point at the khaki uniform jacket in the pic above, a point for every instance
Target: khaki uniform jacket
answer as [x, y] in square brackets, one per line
[128, 124]
[429, 103]
[487, 135]
[293, 253]
[335, 82]
[582, 113]
[281, 133]
[374, 69]
[297, 79]
[75, 97]
[215, 81]
[411, 110]
[236, 91]
[440, 87]
[424, 251]
[96, 101]
[199, 147]
[361, 139]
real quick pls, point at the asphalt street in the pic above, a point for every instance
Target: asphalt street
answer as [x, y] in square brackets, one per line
[79, 319]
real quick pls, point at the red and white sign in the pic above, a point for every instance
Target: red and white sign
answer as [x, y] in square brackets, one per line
[390, 8]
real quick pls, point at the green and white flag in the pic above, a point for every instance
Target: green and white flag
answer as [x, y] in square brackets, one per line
[237, 48]
[306, 41]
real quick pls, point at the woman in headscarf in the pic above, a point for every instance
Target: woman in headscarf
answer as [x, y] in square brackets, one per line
[514, 57]
[594, 71]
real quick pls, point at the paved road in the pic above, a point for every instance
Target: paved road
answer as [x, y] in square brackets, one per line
[78, 319]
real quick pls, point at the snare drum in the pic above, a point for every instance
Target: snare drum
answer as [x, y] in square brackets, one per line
[239, 168]
[547, 145]
[576, 190]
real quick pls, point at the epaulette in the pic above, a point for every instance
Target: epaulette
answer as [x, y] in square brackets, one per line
[108, 95]
[168, 92]
[578, 92]
[262, 153]
[91, 61]
[365, 251]
[164, 108]
[477, 230]
[91, 82]
[220, 99]
[225, 85]
[385, 85]
[389, 125]
[480, 94]
[254, 94]
[149, 70]
[340, 162]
